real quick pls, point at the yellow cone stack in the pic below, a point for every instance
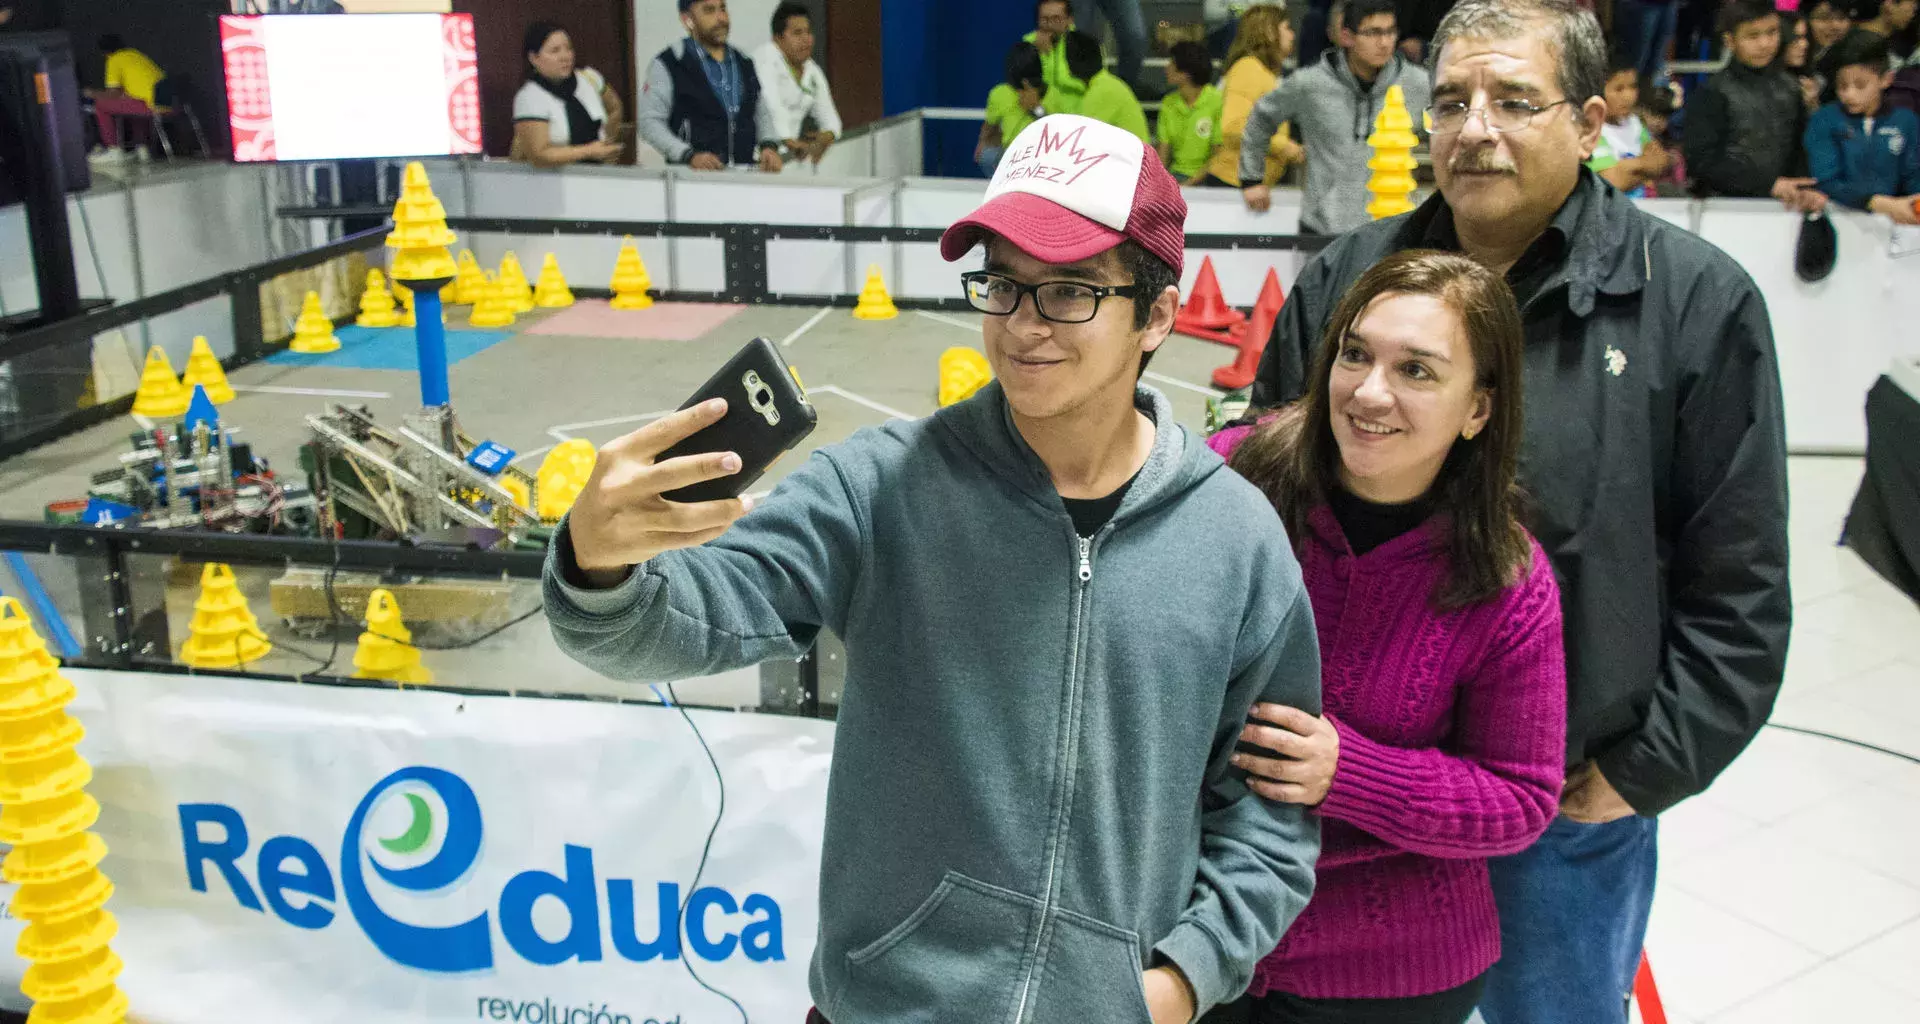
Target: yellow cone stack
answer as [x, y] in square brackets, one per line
[203, 369]
[630, 280]
[44, 814]
[875, 303]
[495, 308]
[313, 332]
[386, 649]
[224, 633]
[963, 371]
[551, 291]
[376, 303]
[563, 474]
[518, 290]
[1392, 164]
[470, 282]
[161, 395]
[420, 231]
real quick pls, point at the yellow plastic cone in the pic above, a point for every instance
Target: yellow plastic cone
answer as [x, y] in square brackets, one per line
[55, 860]
[386, 649]
[161, 395]
[224, 632]
[563, 474]
[1392, 164]
[495, 308]
[313, 332]
[518, 290]
[630, 280]
[203, 369]
[470, 283]
[875, 303]
[420, 231]
[551, 291]
[376, 303]
[963, 371]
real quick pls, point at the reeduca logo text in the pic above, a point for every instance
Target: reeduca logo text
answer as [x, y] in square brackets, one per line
[435, 856]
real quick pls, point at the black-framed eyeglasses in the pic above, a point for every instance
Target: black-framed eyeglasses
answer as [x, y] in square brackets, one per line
[1063, 302]
[1499, 116]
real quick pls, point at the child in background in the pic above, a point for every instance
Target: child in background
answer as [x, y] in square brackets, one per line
[1744, 128]
[1627, 155]
[1011, 106]
[1189, 115]
[1656, 110]
[1866, 154]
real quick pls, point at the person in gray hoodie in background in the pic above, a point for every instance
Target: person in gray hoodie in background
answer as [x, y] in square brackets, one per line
[1332, 104]
[1059, 607]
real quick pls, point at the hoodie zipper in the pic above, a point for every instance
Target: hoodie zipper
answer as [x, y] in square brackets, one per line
[1063, 789]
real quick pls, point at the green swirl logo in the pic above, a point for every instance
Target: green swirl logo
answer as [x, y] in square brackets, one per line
[417, 834]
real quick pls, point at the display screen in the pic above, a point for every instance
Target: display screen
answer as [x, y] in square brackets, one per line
[332, 87]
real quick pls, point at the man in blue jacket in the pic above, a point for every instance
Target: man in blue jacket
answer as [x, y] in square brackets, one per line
[1032, 816]
[1864, 153]
[701, 105]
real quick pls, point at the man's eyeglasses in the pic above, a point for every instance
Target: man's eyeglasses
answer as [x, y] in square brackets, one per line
[1063, 302]
[1499, 116]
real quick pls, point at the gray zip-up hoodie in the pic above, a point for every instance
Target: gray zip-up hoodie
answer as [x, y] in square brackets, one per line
[1332, 117]
[1031, 800]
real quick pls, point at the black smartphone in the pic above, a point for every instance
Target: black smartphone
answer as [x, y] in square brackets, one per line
[767, 414]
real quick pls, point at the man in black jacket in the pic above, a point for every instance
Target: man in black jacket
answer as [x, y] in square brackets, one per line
[701, 105]
[1744, 127]
[1655, 457]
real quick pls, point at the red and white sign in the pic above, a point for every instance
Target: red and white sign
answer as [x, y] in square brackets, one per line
[301, 87]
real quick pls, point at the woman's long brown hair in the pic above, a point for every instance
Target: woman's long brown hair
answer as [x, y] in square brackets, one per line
[1259, 36]
[1295, 460]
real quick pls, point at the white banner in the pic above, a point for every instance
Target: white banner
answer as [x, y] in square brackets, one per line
[298, 853]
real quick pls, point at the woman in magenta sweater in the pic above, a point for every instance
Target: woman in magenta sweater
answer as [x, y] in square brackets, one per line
[1443, 742]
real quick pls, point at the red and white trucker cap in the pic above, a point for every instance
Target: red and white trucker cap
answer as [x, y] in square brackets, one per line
[1070, 187]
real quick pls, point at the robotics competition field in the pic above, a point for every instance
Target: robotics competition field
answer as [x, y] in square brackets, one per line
[586, 372]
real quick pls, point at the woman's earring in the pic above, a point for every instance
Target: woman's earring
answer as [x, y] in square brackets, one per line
[1467, 434]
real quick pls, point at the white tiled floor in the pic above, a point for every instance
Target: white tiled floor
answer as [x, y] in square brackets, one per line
[1790, 892]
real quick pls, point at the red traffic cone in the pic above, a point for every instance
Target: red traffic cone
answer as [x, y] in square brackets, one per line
[1206, 309]
[1253, 336]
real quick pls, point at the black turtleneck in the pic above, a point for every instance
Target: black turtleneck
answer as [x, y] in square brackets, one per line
[1369, 524]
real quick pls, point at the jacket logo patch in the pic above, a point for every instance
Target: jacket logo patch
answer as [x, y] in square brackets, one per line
[1896, 140]
[1203, 128]
[1616, 361]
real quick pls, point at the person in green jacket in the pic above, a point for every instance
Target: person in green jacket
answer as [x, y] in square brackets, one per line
[1189, 126]
[1011, 106]
[1052, 21]
[1106, 96]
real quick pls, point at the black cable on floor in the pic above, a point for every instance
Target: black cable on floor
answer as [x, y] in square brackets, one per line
[705, 849]
[1848, 740]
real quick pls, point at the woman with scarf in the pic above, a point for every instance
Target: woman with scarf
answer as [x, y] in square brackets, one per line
[561, 116]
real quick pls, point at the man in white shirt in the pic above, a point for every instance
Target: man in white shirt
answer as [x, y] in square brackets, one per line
[793, 86]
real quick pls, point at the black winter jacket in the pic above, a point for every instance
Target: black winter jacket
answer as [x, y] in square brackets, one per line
[1655, 458]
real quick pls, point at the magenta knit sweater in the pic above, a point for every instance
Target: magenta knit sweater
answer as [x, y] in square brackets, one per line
[1452, 748]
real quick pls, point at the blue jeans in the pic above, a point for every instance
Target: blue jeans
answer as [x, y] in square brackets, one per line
[1643, 30]
[1129, 33]
[1573, 918]
[990, 159]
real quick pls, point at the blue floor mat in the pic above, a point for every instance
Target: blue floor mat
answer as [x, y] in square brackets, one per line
[389, 348]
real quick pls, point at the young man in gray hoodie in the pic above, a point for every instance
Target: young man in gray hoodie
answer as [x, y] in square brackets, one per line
[1332, 105]
[1058, 608]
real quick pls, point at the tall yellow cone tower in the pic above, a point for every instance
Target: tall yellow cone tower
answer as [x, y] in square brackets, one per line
[224, 632]
[420, 231]
[518, 290]
[386, 649]
[1392, 164]
[563, 474]
[44, 814]
[875, 303]
[470, 283]
[630, 280]
[161, 395]
[313, 332]
[495, 308]
[551, 291]
[203, 369]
